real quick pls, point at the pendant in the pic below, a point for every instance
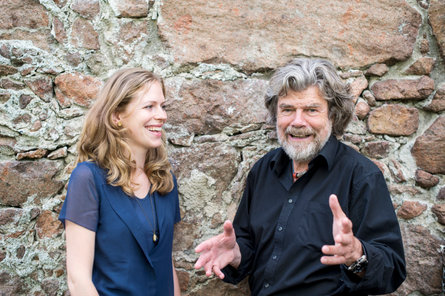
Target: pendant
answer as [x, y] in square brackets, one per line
[155, 237]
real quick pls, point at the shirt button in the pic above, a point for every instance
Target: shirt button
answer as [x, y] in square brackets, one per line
[274, 257]
[280, 228]
[290, 200]
[266, 285]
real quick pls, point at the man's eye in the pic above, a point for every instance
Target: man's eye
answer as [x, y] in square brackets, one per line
[286, 111]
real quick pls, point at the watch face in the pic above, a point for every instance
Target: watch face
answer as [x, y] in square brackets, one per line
[359, 265]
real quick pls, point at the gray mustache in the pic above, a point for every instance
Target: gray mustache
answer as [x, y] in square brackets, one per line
[299, 132]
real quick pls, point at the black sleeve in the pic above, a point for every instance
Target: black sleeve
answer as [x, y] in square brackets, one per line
[376, 226]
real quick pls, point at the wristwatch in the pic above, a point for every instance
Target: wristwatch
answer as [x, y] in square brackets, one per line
[359, 265]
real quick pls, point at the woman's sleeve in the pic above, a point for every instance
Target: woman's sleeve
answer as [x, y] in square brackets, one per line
[81, 204]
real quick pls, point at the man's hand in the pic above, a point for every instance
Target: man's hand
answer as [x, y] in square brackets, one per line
[347, 248]
[218, 252]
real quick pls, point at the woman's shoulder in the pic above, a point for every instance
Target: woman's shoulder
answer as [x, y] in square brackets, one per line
[87, 170]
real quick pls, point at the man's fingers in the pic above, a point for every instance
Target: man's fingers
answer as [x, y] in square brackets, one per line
[332, 260]
[335, 207]
[346, 226]
[228, 228]
[208, 268]
[202, 260]
[203, 246]
[218, 272]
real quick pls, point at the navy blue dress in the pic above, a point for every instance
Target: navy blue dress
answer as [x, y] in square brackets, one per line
[126, 261]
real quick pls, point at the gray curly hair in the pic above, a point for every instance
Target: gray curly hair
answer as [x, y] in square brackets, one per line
[301, 73]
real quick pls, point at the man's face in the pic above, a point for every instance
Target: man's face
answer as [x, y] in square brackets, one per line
[303, 124]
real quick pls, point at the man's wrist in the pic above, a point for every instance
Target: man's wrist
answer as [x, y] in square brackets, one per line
[237, 257]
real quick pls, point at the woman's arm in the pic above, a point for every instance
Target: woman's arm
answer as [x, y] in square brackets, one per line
[79, 259]
[177, 290]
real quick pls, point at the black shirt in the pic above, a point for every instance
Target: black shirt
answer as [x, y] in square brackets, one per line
[281, 226]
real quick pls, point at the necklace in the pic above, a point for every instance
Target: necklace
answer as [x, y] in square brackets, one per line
[153, 210]
[297, 175]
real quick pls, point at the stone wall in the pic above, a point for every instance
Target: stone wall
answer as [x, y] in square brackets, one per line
[216, 57]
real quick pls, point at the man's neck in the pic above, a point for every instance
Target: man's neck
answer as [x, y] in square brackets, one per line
[300, 166]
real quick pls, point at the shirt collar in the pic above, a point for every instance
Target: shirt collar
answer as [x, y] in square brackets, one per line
[281, 161]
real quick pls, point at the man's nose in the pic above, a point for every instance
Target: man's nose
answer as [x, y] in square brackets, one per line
[299, 119]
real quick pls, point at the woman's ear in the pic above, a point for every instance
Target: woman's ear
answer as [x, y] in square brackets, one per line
[116, 117]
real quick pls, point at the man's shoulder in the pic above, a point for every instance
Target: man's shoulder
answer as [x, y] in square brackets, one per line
[349, 157]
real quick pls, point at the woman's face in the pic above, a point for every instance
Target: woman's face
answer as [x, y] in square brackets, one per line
[144, 117]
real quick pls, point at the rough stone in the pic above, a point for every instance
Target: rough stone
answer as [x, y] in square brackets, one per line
[42, 38]
[429, 149]
[10, 84]
[411, 209]
[9, 215]
[20, 252]
[441, 194]
[7, 145]
[21, 179]
[358, 85]
[24, 100]
[7, 70]
[423, 66]
[186, 235]
[378, 149]
[396, 171]
[424, 46]
[36, 154]
[4, 96]
[184, 279]
[395, 120]
[22, 13]
[436, 18]
[362, 109]
[210, 106]
[129, 8]
[425, 179]
[217, 160]
[11, 285]
[59, 31]
[42, 86]
[439, 210]
[377, 70]
[438, 102]
[48, 225]
[265, 35]
[76, 87]
[22, 120]
[86, 8]
[59, 153]
[396, 189]
[403, 89]
[83, 35]
[421, 255]
[215, 287]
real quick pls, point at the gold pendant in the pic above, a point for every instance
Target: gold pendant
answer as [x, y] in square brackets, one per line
[155, 237]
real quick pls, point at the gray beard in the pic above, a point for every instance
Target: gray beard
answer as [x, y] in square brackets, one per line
[303, 153]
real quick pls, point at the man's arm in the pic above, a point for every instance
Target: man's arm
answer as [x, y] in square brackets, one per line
[375, 225]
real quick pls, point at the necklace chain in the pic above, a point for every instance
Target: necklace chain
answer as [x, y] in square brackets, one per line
[155, 237]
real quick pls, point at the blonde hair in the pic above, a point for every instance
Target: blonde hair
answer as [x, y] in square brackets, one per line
[103, 142]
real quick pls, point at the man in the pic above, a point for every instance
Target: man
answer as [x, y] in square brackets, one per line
[316, 217]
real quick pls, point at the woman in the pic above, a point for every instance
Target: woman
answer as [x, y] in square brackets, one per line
[122, 199]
